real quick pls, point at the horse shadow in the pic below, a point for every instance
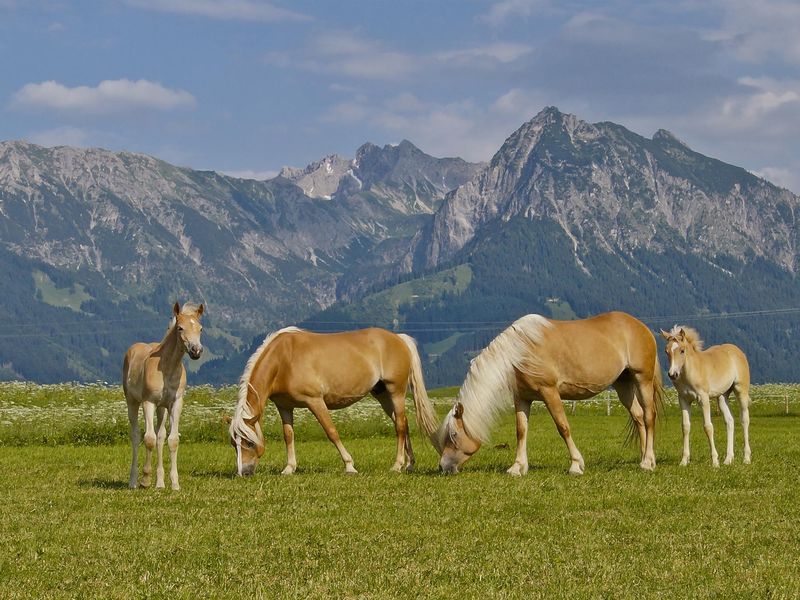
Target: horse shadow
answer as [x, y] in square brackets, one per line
[103, 484]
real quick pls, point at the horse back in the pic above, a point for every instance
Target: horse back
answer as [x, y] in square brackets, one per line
[595, 351]
[726, 364]
[344, 363]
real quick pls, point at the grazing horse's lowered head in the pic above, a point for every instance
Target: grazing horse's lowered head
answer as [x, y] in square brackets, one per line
[246, 436]
[455, 445]
[186, 321]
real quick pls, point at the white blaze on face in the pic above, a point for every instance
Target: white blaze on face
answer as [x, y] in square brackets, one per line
[674, 347]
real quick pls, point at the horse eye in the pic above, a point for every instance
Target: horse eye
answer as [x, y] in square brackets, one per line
[682, 351]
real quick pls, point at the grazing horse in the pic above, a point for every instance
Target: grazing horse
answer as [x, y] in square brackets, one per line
[544, 360]
[320, 371]
[703, 374]
[153, 377]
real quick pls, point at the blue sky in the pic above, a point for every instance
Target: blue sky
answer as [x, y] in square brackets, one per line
[245, 86]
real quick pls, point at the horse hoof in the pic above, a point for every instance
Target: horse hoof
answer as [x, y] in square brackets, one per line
[350, 470]
[160, 486]
[516, 470]
[746, 460]
[715, 464]
[288, 471]
[728, 461]
[647, 465]
[684, 462]
[575, 470]
[396, 469]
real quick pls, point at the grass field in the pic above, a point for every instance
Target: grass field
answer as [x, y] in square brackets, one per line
[71, 528]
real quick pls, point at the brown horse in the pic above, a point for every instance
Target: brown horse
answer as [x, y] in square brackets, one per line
[703, 374]
[153, 376]
[540, 359]
[300, 369]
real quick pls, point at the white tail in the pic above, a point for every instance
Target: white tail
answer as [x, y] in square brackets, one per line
[426, 417]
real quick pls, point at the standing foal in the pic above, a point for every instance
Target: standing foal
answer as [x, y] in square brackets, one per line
[704, 374]
[153, 376]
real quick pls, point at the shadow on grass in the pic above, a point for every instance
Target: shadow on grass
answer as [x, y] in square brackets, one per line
[103, 484]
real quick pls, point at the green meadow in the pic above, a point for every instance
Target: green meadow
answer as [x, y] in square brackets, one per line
[70, 528]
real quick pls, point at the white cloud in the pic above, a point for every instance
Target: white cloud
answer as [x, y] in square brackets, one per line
[251, 174]
[502, 52]
[781, 176]
[757, 31]
[764, 105]
[60, 136]
[108, 97]
[502, 11]
[241, 10]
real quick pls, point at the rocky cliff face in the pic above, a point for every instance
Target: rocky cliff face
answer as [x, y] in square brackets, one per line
[603, 183]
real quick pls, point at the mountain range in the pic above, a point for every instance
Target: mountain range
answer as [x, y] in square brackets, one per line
[568, 219]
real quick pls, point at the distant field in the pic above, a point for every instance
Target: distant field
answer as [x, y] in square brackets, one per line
[71, 528]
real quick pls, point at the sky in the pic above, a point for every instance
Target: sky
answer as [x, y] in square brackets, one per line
[247, 86]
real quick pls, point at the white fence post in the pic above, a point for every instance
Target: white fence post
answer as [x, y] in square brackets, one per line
[608, 404]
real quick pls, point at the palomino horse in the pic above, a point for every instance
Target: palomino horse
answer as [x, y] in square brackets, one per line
[703, 374]
[544, 360]
[153, 377]
[300, 369]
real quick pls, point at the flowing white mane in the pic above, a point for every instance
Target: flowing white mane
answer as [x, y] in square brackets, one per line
[243, 411]
[491, 379]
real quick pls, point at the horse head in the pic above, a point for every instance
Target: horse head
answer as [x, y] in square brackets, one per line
[454, 443]
[246, 436]
[188, 328]
[678, 343]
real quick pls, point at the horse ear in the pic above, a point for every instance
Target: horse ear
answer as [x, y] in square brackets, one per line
[682, 333]
[664, 334]
[458, 410]
[252, 421]
[176, 309]
[200, 310]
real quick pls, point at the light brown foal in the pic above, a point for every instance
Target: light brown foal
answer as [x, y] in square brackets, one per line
[703, 374]
[153, 377]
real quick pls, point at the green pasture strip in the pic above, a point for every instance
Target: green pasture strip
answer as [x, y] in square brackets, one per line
[90, 414]
[71, 529]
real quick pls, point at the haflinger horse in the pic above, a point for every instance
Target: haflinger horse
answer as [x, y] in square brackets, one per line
[320, 371]
[703, 374]
[153, 377]
[546, 360]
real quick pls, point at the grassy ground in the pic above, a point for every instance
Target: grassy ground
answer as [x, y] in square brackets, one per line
[71, 528]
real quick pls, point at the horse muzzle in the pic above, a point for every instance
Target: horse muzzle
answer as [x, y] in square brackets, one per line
[195, 352]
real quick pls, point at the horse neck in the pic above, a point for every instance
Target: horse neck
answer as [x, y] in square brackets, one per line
[170, 349]
[262, 378]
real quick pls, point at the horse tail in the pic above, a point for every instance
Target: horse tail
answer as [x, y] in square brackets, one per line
[658, 391]
[426, 417]
[658, 404]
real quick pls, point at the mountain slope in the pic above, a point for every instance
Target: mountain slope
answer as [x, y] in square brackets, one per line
[571, 219]
[128, 228]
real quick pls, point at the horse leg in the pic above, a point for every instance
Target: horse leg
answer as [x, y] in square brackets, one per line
[133, 418]
[705, 404]
[287, 418]
[743, 395]
[393, 403]
[174, 440]
[320, 411]
[149, 409]
[646, 395]
[161, 428]
[686, 426]
[722, 402]
[522, 408]
[626, 391]
[552, 400]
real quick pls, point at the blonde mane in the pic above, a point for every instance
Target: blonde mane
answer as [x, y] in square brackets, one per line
[243, 411]
[491, 379]
[690, 334]
[187, 308]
